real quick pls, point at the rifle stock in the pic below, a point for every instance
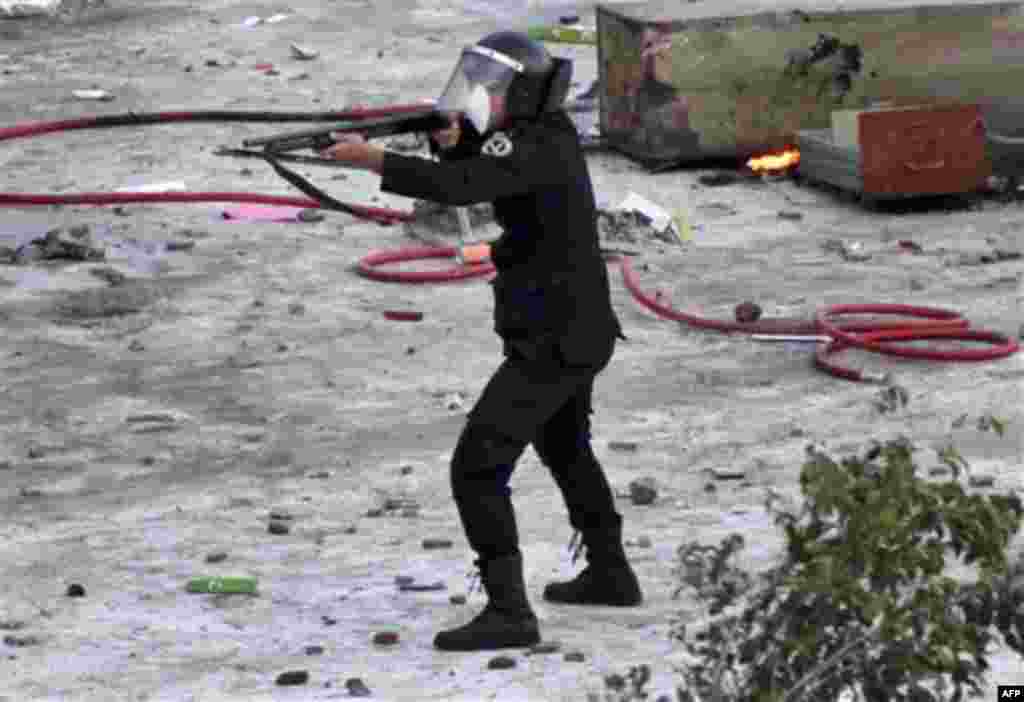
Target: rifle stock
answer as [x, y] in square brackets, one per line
[318, 139]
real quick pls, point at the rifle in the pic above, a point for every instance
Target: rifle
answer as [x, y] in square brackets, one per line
[319, 139]
[274, 149]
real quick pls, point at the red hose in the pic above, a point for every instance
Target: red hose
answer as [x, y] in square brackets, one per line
[380, 215]
[871, 335]
[1004, 347]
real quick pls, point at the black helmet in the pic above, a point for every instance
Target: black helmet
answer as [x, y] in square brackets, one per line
[512, 64]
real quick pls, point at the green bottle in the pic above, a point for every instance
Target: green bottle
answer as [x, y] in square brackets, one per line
[563, 35]
[225, 586]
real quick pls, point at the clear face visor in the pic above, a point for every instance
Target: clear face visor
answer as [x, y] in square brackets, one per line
[480, 74]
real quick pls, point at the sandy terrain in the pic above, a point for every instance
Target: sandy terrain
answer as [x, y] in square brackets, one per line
[133, 446]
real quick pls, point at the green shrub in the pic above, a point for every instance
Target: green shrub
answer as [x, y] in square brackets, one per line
[863, 602]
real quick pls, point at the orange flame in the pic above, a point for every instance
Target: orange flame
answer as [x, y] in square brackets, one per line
[775, 162]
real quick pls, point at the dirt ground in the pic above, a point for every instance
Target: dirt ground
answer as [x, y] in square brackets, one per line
[133, 446]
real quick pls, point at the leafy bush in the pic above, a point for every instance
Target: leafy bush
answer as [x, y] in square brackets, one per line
[862, 603]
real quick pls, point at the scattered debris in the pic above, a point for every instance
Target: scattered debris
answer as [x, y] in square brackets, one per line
[790, 215]
[293, 677]
[623, 445]
[574, 657]
[217, 557]
[302, 53]
[310, 215]
[891, 398]
[111, 275]
[357, 688]
[747, 312]
[432, 544]
[328, 621]
[72, 244]
[728, 474]
[385, 638]
[643, 491]
[718, 179]
[501, 663]
[423, 587]
[99, 95]
[75, 590]
[180, 245]
[544, 648]
[314, 650]
[11, 625]
[278, 528]
[22, 641]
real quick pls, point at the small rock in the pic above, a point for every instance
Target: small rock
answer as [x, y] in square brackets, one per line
[375, 512]
[710, 487]
[328, 621]
[278, 528]
[622, 445]
[728, 474]
[350, 530]
[321, 475]
[574, 657]
[405, 470]
[314, 650]
[501, 663]
[302, 53]
[112, 276]
[11, 625]
[136, 346]
[747, 312]
[30, 492]
[457, 599]
[36, 452]
[22, 641]
[796, 433]
[280, 515]
[297, 309]
[981, 481]
[293, 677]
[180, 245]
[410, 512]
[917, 285]
[385, 638]
[75, 590]
[357, 688]
[281, 347]
[715, 180]
[431, 544]
[423, 587]
[792, 216]
[410, 351]
[401, 580]
[643, 491]
[217, 557]
[545, 647]
[310, 215]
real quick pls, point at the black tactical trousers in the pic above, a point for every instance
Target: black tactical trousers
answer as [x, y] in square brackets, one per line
[533, 397]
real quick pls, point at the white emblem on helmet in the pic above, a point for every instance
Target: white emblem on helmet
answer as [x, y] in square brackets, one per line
[498, 145]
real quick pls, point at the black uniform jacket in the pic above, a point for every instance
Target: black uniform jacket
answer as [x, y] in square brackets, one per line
[551, 291]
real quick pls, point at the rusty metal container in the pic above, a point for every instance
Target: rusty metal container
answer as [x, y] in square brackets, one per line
[893, 153]
[683, 82]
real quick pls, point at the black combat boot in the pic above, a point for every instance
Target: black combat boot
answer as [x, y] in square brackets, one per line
[507, 621]
[607, 579]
